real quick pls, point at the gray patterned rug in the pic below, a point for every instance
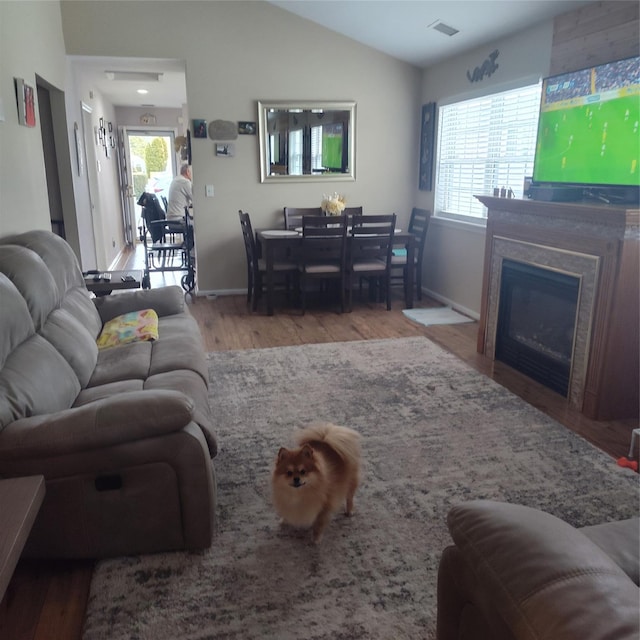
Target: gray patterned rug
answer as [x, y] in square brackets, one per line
[434, 433]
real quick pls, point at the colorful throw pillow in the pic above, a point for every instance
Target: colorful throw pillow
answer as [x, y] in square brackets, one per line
[129, 327]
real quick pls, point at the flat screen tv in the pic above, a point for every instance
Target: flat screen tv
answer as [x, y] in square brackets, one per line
[588, 128]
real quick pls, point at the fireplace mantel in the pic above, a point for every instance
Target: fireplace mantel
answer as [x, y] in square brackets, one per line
[600, 245]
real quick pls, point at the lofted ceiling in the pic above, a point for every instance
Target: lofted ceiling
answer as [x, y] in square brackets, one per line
[405, 29]
[410, 30]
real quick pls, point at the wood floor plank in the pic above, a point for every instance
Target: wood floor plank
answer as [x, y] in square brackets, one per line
[66, 603]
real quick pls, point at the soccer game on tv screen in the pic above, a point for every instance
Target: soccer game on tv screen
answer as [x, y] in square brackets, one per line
[588, 126]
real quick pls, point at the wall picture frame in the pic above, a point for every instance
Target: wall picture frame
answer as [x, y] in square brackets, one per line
[26, 102]
[225, 150]
[199, 128]
[247, 128]
[427, 140]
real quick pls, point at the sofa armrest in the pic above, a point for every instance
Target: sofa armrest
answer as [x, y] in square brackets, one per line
[165, 301]
[110, 421]
[538, 576]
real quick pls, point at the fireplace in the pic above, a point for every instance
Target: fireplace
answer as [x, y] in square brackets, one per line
[561, 301]
[536, 322]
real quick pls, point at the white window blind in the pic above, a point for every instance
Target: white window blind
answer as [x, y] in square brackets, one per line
[485, 143]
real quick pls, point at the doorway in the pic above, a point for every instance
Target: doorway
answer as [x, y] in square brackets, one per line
[151, 166]
[50, 160]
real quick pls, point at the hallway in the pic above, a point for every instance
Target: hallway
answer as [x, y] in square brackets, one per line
[133, 258]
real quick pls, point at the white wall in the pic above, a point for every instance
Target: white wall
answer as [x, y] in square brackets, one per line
[30, 43]
[170, 118]
[107, 223]
[237, 53]
[454, 254]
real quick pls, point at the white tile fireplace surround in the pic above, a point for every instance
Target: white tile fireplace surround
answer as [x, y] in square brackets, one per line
[598, 245]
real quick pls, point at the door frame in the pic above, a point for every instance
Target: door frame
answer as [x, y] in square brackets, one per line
[92, 185]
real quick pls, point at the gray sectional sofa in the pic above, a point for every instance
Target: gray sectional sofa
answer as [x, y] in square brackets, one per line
[123, 436]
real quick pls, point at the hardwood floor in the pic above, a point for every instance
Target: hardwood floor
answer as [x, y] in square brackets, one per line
[46, 600]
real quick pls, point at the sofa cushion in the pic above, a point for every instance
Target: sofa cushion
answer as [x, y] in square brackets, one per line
[127, 362]
[35, 379]
[621, 542]
[79, 304]
[73, 341]
[91, 394]
[15, 321]
[57, 255]
[134, 326]
[33, 280]
[180, 347]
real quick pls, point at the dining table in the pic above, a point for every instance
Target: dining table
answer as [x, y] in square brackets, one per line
[271, 243]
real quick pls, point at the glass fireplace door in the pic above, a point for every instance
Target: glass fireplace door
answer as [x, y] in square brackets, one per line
[536, 322]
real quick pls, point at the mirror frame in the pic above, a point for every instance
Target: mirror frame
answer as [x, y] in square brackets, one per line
[265, 106]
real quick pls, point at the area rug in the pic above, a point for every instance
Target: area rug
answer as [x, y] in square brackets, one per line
[436, 315]
[434, 433]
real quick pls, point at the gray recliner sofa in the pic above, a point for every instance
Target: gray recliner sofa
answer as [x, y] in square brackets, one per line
[123, 436]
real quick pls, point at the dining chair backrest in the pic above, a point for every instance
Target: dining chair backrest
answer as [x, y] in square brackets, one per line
[418, 226]
[370, 252]
[293, 215]
[324, 239]
[372, 237]
[254, 284]
[323, 253]
[248, 237]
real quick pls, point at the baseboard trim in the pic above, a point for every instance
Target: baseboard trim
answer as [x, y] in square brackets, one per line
[451, 303]
[204, 293]
[214, 293]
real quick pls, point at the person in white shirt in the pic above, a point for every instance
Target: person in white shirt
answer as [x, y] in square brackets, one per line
[180, 194]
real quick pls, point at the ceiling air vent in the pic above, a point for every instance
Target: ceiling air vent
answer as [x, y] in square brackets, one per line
[134, 76]
[445, 28]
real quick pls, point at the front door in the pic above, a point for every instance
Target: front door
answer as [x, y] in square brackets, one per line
[151, 166]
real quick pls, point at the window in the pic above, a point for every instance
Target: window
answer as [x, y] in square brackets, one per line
[485, 143]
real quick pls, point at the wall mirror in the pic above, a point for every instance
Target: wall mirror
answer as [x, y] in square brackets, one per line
[307, 141]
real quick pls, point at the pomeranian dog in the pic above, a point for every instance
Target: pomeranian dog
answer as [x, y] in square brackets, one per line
[311, 482]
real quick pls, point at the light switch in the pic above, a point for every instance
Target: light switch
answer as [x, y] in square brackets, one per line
[209, 190]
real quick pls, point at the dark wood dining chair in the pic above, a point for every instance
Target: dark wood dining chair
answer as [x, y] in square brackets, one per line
[256, 267]
[293, 215]
[350, 212]
[323, 254]
[418, 226]
[370, 249]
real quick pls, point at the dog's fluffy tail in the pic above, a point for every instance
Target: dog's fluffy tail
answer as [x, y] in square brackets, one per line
[344, 441]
